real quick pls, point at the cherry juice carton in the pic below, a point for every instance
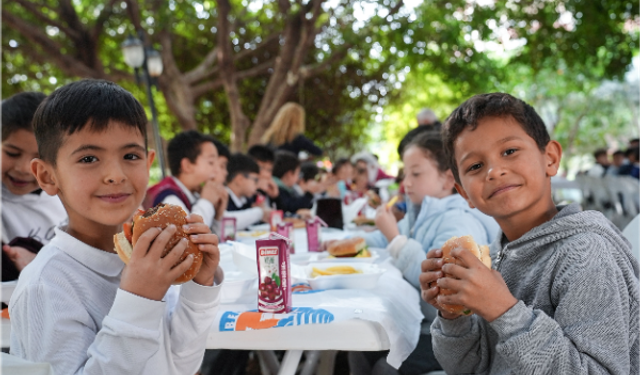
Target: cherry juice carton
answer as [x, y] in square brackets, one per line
[274, 274]
[285, 229]
[275, 217]
[313, 233]
[228, 229]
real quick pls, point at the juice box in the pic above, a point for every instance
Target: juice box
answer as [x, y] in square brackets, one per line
[275, 217]
[228, 229]
[274, 274]
[313, 233]
[285, 229]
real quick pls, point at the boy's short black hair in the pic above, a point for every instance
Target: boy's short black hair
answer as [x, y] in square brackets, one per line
[186, 144]
[284, 162]
[339, 164]
[309, 170]
[633, 151]
[618, 152]
[599, 152]
[497, 104]
[431, 146]
[414, 133]
[18, 111]
[241, 164]
[88, 102]
[223, 150]
[262, 153]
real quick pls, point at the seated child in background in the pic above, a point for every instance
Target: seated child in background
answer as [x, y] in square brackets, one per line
[77, 306]
[193, 160]
[286, 173]
[435, 214]
[29, 215]
[342, 173]
[223, 159]
[562, 297]
[242, 184]
[265, 158]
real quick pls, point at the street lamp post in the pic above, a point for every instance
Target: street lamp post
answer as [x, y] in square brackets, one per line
[136, 55]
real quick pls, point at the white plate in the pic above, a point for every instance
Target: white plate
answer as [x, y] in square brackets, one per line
[365, 280]
[237, 285]
[7, 290]
[325, 257]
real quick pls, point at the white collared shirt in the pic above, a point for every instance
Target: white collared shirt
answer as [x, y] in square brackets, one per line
[68, 310]
[199, 206]
[244, 218]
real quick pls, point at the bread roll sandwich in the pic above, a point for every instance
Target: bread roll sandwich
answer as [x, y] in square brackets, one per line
[159, 216]
[466, 242]
[350, 247]
[374, 199]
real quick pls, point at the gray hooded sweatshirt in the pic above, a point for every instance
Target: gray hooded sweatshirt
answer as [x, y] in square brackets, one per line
[577, 285]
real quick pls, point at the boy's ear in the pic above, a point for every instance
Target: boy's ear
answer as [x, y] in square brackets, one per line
[450, 181]
[185, 165]
[151, 155]
[45, 175]
[553, 154]
[463, 194]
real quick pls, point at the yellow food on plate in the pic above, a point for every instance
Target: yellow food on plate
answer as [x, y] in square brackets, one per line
[335, 270]
[255, 233]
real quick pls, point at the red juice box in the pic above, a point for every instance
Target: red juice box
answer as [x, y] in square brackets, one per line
[228, 229]
[274, 274]
[313, 233]
[285, 229]
[275, 218]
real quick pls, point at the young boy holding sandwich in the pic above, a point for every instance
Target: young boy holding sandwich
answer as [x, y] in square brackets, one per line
[77, 306]
[562, 297]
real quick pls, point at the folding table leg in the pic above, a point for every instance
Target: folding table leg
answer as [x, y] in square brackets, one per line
[290, 362]
[269, 364]
[327, 362]
[311, 362]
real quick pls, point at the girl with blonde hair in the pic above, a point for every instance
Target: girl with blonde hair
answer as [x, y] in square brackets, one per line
[286, 131]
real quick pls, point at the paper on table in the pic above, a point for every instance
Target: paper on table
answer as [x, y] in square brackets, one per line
[350, 211]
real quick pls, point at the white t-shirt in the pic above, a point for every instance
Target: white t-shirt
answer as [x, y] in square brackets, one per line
[33, 215]
[68, 310]
[244, 218]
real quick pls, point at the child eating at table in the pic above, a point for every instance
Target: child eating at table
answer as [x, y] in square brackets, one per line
[242, 184]
[435, 214]
[562, 297]
[77, 306]
[29, 215]
[194, 164]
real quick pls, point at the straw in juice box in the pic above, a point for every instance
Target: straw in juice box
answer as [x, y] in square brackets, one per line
[228, 229]
[285, 229]
[274, 274]
[275, 217]
[313, 233]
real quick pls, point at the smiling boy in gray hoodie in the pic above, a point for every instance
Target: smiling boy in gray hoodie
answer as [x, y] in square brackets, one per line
[562, 297]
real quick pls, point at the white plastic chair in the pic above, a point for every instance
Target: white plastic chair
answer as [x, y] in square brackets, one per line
[632, 233]
[17, 366]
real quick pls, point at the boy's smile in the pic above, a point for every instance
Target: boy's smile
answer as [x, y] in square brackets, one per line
[503, 172]
[101, 178]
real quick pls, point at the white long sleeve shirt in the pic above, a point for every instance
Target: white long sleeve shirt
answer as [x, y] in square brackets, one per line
[30, 215]
[68, 310]
[199, 206]
[244, 218]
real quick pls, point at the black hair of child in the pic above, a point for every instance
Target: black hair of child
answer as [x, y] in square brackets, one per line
[241, 164]
[431, 146]
[600, 152]
[18, 111]
[309, 170]
[497, 104]
[223, 150]
[262, 153]
[339, 164]
[186, 144]
[88, 103]
[414, 133]
[618, 152]
[285, 161]
[633, 151]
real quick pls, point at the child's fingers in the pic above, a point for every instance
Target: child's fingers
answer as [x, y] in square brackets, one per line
[426, 278]
[144, 242]
[194, 218]
[434, 253]
[429, 265]
[430, 295]
[465, 256]
[181, 268]
[173, 257]
[161, 241]
[196, 228]
[455, 271]
[449, 283]
[204, 239]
